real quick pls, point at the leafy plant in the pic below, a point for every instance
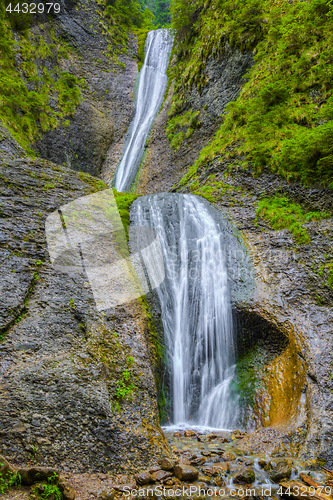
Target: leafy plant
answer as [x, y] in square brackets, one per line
[125, 387]
[9, 480]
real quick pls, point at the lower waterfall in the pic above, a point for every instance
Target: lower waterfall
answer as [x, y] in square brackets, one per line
[195, 305]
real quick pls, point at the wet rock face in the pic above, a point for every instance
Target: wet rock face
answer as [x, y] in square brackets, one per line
[288, 330]
[107, 105]
[162, 166]
[60, 360]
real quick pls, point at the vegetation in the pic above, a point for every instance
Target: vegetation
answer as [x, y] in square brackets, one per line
[124, 202]
[49, 490]
[285, 214]
[283, 116]
[125, 386]
[141, 47]
[9, 480]
[123, 17]
[181, 125]
[25, 92]
[161, 11]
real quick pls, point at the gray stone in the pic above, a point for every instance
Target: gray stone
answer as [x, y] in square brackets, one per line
[166, 464]
[244, 476]
[186, 472]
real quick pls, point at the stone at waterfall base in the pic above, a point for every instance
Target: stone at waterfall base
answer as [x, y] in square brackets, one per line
[244, 476]
[143, 478]
[166, 464]
[186, 472]
[31, 475]
[160, 475]
[280, 471]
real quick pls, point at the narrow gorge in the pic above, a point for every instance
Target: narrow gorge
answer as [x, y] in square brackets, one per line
[218, 375]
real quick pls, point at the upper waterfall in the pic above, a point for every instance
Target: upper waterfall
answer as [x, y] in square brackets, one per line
[195, 305]
[152, 85]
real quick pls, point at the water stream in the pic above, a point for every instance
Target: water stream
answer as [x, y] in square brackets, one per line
[194, 297]
[151, 88]
[195, 305]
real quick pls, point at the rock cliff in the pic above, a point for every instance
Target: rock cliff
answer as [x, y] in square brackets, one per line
[61, 362]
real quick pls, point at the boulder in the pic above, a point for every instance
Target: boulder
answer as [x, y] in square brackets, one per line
[166, 464]
[184, 461]
[5, 466]
[160, 475]
[244, 476]
[143, 478]
[280, 471]
[186, 472]
[228, 456]
[31, 475]
[68, 491]
[189, 433]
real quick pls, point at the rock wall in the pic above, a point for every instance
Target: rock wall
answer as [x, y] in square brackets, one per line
[163, 167]
[102, 117]
[61, 361]
[292, 301]
[288, 362]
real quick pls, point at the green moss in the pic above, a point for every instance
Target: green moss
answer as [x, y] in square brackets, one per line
[123, 17]
[94, 183]
[283, 116]
[124, 202]
[248, 378]
[180, 124]
[285, 214]
[141, 48]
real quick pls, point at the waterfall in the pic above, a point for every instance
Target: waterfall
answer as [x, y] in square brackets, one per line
[151, 88]
[195, 305]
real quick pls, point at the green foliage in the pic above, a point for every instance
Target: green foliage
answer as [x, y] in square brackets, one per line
[282, 117]
[285, 214]
[161, 11]
[24, 96]
[124, 16]
[125, 386]
[49, 489]
[213, 190]
[9, 480]
[141, 48]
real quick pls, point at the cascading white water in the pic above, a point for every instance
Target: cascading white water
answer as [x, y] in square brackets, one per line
[195, 305]
[152, 85]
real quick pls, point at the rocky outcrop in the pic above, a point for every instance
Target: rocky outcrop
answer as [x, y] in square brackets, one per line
[106, 108]
[61, 361]
[163, 166]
